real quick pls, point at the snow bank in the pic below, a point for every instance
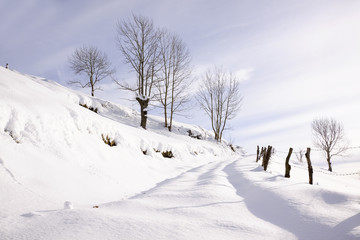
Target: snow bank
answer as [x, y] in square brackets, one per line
[53, 147]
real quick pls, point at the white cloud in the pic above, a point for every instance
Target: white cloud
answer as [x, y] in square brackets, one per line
[244, 74]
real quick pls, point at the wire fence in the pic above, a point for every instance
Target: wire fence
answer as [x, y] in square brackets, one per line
[313, 149]
[282, 154]
[327, 172]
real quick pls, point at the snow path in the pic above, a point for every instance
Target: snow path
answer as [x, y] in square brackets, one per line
[216, 200]
[197, 204]
[269, 206]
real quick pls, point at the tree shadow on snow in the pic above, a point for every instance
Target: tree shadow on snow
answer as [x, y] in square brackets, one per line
[333, 198]
[270, 207]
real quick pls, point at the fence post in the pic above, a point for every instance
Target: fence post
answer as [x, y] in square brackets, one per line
[257, 153]
[307, 155]
[287, 165]
[263, 150]
[267, 157]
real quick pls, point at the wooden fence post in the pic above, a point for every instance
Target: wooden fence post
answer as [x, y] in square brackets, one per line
[307, 155]
[257, 153]
[263, 150]
[267, 157]
[287, 165]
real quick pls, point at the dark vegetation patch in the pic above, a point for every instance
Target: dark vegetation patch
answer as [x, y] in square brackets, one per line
[90, 108]
[232, 147]
[167, 154]
[193, 135]
[108, 141]
[11, 134]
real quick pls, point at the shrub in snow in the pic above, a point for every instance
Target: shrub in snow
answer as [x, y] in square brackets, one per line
[90, 108]
[68, 205]
[232, 147]
[167, 154]
[13, 136]
[194, 135]
[108, 141]
[148, 151]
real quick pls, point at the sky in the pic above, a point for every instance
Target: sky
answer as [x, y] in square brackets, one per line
[296, 60]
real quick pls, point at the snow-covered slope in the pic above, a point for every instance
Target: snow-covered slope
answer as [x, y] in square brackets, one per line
[52, 151]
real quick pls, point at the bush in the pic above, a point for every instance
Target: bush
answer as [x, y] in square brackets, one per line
[90, 108]
[232, 147]
[108, 141]
[13, 136]
[197, 136]
[167, 154]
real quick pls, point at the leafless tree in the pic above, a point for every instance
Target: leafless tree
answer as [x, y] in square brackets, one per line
[91, 61]
[329, 136]
[175, 72]
[300, 154]
[220, 98]
[138, 42]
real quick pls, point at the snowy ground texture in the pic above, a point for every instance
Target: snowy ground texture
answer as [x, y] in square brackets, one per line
[52, 152]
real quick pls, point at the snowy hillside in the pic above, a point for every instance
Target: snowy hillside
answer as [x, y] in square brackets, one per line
[52, 150]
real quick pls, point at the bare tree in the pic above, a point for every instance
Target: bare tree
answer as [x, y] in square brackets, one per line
[91, 61]
[138, 42]
[175, 72]
[300, 154]
[220, 98]
[329, 136]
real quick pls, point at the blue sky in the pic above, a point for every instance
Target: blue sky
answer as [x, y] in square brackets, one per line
[298, 60]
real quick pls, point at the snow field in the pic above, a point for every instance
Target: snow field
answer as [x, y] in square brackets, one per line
[51, 152]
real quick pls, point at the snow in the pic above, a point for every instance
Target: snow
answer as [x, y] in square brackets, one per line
[68, 205]
[59, 180]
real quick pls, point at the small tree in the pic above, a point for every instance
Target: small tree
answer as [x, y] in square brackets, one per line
[300, 154]
[91, 61]
[138, 42]
[174, 74]
[329, 136]
[220, 98]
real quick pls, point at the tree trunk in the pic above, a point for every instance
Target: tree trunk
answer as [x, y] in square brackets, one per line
[217, 136]
[165, 116]
[92, 85]
[143, 108]
[328, 160]
[307, 155]
[287, 165]
[171, 116]
[170, 124]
